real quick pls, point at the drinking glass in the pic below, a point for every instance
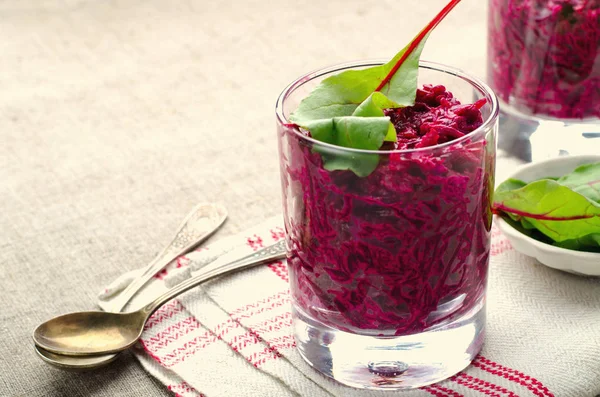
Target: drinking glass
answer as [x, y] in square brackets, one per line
[388, 271]
[544, 65]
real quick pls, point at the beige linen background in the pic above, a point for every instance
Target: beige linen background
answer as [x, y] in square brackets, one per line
[116, 117]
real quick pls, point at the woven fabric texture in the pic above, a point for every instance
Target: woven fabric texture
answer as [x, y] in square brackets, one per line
[117, 117]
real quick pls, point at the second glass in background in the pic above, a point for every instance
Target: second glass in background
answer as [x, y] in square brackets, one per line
[544, 65]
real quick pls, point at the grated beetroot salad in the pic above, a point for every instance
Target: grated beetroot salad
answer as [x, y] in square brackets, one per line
[406, 248]
[436, 117]
[544, 56]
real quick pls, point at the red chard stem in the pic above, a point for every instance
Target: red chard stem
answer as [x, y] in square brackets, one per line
[417, 40]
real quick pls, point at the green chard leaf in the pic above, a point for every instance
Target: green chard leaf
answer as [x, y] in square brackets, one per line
[362, 164]
[374, 106]
[584, 180]
[510, 184]
[591, 242]
[563, 215]
[364, 93]
[351, 132]
[341, 94]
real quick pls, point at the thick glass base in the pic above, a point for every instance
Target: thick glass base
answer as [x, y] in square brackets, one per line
[403, 362]
[537, 138]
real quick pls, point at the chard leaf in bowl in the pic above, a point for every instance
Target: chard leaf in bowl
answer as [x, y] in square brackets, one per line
[584, 180]
[564, 212]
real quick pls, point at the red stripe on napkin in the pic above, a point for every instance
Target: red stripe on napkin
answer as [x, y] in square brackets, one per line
[182, 353]
[276, 300]
[474, 386]
[154, 344]
[499, 243]
[165, 312]
[280, 269]
[439, 391]
[183, 389]
[490, 387]
[172, 333]
[532, 384]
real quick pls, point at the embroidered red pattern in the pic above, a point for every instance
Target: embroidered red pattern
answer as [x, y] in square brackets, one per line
[267, 303]
[500, 244]
[251, 337]
[277, 233]
[276, 323]
[164, 313]
[186, 350]
[255, 242]
[255, 335]
[172, 333]
[182, 261]
[280, 269]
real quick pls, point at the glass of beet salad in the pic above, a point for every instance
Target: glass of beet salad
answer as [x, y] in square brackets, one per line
[387, 179]
[544, 57]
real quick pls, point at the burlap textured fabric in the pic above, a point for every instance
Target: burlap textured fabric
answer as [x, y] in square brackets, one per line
[117, 117]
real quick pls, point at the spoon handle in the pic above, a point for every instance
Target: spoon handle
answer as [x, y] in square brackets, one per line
[197, 226]
[267, 254]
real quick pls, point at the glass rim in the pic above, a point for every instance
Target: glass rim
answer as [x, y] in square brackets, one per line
[476, 82]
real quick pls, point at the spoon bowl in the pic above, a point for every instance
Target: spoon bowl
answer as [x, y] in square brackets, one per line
[75, 363]
[94, 333]
[199, 224]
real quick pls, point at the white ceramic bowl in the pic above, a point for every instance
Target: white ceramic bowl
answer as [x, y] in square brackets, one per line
[577, 262]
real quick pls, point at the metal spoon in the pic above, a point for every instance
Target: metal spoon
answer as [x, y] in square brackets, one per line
[200, 223]
[94, 332]
[76, 363]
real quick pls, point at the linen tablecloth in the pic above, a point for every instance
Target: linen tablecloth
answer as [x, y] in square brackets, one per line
[118, 116]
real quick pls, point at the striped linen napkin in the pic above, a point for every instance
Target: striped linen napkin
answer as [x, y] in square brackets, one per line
[233, 336]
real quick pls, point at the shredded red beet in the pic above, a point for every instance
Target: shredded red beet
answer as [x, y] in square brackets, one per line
[544, 56]
[436, 117]
[405, 248]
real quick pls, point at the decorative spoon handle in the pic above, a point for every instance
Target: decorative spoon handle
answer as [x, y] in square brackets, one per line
[197, 226]
[214, 269]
